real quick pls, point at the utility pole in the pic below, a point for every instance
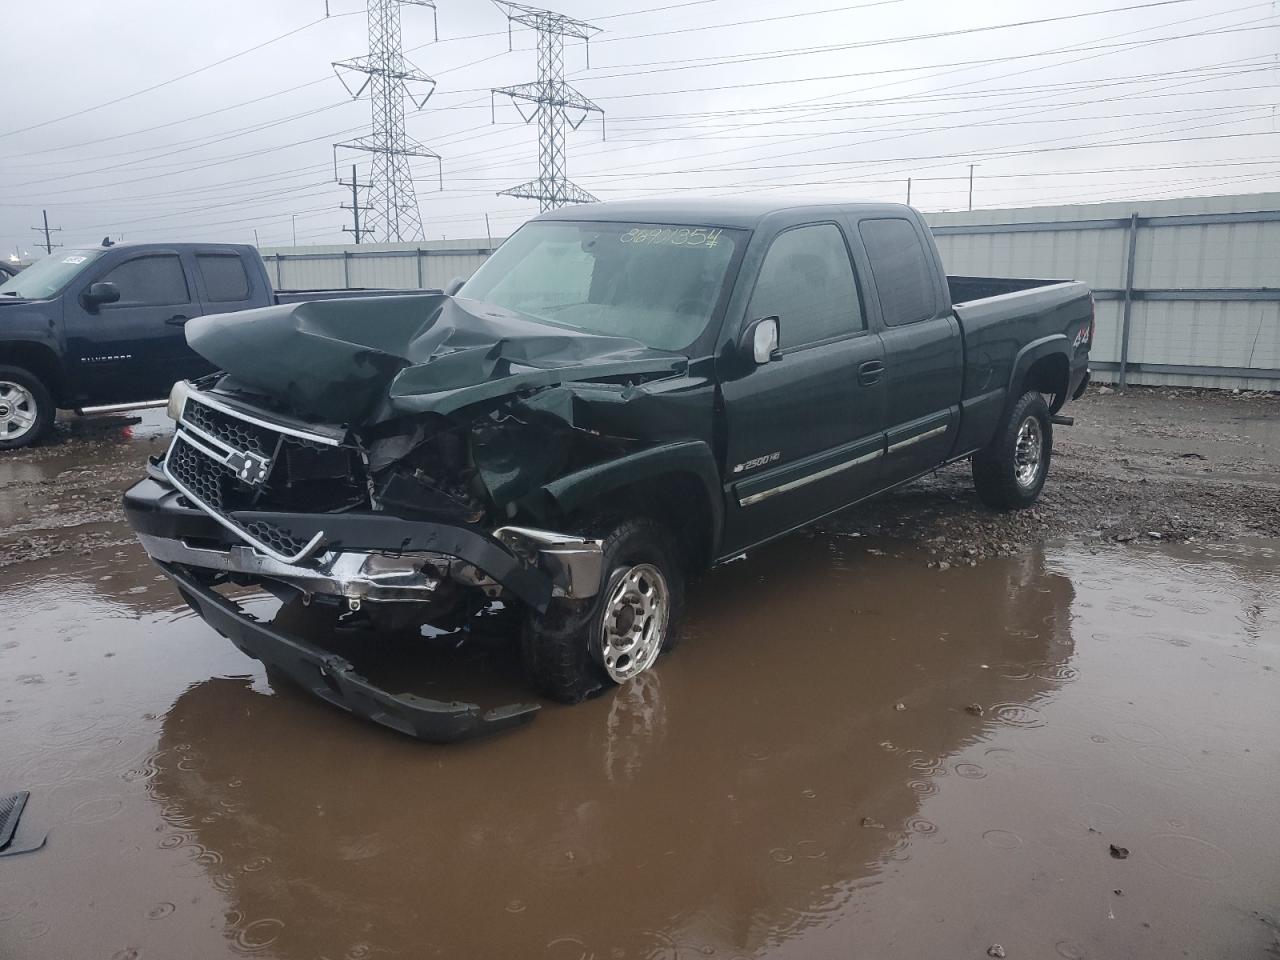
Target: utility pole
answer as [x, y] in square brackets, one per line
[355, 229]
[293, 219]
[971, 187]
[908, 191]
[391, 212]
[47, 230]
[255, 237]
[556, 104]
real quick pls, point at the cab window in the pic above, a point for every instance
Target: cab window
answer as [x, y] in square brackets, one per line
[903, 274]
[807, 282]
[150, 281]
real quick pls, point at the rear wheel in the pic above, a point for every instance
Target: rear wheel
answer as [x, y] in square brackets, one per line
[1010, 473]
[578, 647]
[26, 408]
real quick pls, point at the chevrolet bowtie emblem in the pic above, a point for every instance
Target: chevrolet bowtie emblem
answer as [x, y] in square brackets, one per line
[249, 467]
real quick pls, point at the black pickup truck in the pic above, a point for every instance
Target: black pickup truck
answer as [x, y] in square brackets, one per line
[622, 395]
[103, 326]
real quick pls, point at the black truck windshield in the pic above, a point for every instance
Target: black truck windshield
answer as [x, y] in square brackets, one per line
[655, 283]
[46, 277]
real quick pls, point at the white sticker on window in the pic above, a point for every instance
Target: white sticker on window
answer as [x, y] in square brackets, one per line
[74, 259]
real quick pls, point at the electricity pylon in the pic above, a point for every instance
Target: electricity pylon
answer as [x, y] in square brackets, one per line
[556, 104]
[391, 212]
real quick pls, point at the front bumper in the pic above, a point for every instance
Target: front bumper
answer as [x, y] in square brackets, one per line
[364, 558]
[335, 680]
[531, 565]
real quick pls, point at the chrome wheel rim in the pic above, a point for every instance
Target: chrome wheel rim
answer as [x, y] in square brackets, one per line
[636, 611]
[17, 410]
[1028, 452]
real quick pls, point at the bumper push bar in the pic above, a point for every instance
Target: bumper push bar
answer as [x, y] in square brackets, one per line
[335, 680]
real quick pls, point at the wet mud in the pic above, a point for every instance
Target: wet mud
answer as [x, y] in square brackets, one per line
[853, 753]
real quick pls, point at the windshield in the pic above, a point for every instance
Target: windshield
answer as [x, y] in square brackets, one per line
[46, 277]
[655, 283]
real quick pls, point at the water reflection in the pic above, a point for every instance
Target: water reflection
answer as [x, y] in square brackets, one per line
[737, 801]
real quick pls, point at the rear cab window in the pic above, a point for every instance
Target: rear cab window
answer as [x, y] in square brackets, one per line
[807, 282]
[224, 276]
[901, 268]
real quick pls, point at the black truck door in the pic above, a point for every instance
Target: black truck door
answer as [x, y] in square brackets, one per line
[923, 351]
[805, 431]
[133, 349]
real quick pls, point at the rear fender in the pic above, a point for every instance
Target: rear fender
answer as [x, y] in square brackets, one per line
[1026, 358]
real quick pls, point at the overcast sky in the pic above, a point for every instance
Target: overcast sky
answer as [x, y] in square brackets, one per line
[721, 96]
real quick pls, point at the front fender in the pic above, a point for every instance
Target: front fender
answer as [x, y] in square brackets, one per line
[688, 457]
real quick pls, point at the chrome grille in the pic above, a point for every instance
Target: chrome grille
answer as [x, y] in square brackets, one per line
[222, 462]
[236, 433]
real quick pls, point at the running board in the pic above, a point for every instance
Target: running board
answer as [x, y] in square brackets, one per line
[120, 407]
[1062, 421]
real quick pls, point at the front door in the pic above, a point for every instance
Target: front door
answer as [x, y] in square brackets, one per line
[805, 431]
[133, 349]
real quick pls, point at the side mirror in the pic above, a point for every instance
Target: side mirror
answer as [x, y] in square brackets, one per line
[760, 340]
[454, 285]
[99, 293]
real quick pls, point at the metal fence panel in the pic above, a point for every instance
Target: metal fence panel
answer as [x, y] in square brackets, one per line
[1205, 286]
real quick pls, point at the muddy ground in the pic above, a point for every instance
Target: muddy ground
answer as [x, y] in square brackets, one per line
[920, 730]
[1160, 465]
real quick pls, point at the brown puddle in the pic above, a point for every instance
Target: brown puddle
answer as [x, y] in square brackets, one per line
[762, 795]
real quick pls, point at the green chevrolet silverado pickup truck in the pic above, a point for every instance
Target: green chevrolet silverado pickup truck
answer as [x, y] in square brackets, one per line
[623, 395]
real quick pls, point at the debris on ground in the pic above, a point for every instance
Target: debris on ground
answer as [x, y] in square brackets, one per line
[1119, 853]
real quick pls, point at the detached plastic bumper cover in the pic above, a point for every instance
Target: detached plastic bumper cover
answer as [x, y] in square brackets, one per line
[334, 679]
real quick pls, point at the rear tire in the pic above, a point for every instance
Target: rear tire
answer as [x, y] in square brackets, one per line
[26, 408]
[579, 647]
[1010, 472]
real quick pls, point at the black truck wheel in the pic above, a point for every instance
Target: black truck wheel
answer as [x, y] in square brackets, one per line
[26, 408]
[578, 647]
[1010, 473]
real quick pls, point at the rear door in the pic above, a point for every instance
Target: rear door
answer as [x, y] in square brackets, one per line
[226, 285]
[923, 350]
[805, 431]
[135, 348]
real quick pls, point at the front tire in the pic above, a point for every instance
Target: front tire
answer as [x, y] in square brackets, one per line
[579, 647]
[1010, 472]
[26, 408]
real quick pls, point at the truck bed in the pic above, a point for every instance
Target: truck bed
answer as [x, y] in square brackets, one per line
[966, 289]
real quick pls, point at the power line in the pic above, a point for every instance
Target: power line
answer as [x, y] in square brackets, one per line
[164, 83]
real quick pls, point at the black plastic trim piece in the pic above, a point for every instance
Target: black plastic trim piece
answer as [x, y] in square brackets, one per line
[335, 680]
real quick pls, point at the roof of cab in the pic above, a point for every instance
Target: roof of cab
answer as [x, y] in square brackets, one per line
[710, 211]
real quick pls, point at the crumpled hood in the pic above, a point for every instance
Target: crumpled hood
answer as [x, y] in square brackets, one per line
[371, 359]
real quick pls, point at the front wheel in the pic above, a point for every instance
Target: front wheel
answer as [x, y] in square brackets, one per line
[1010, 472]
[26, 408]
[579, 646]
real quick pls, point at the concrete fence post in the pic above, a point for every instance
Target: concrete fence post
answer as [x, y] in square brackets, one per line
[346, 270]
[1131, 262]
[417, 258]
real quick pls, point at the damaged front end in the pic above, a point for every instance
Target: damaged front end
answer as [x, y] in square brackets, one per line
[388, 494]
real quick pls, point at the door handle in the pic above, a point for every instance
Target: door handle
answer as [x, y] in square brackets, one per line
[177, 320]
[869, 373]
